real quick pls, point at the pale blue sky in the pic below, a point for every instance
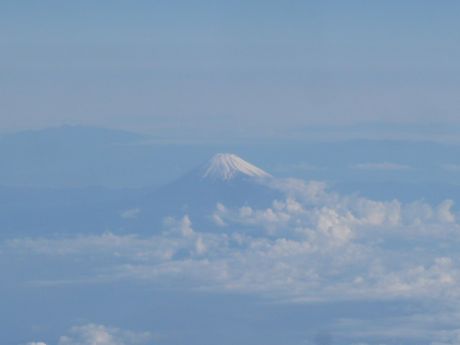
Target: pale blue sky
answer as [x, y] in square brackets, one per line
[229, 69]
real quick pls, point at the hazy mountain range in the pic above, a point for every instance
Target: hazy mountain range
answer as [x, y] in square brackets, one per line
[80, 178]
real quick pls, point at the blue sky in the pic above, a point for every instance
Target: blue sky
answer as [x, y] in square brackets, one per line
[229, 69]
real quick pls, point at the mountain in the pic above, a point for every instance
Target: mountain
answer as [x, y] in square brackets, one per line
[225, 178]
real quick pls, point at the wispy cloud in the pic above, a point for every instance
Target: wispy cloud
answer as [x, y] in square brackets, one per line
[299, 167]
[383, 166]
[131, 213]
[451, 167]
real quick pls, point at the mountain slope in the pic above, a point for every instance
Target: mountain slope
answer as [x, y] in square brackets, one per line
[225, 178]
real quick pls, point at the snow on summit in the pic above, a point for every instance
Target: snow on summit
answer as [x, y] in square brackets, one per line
[226, 166]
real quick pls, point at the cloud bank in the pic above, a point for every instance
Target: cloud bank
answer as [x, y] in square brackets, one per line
[312, 245]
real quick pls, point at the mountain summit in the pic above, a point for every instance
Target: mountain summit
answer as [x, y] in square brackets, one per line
[227, 166]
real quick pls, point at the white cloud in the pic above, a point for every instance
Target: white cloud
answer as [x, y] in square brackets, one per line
[444, 211]
[93, 334]
[312, 245]
[131, 213]
[182, 227]
[312, 192]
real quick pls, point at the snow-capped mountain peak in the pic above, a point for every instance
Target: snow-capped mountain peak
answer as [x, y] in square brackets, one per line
[226, 166]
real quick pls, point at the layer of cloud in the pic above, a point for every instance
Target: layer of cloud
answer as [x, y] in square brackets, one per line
[311, 245]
